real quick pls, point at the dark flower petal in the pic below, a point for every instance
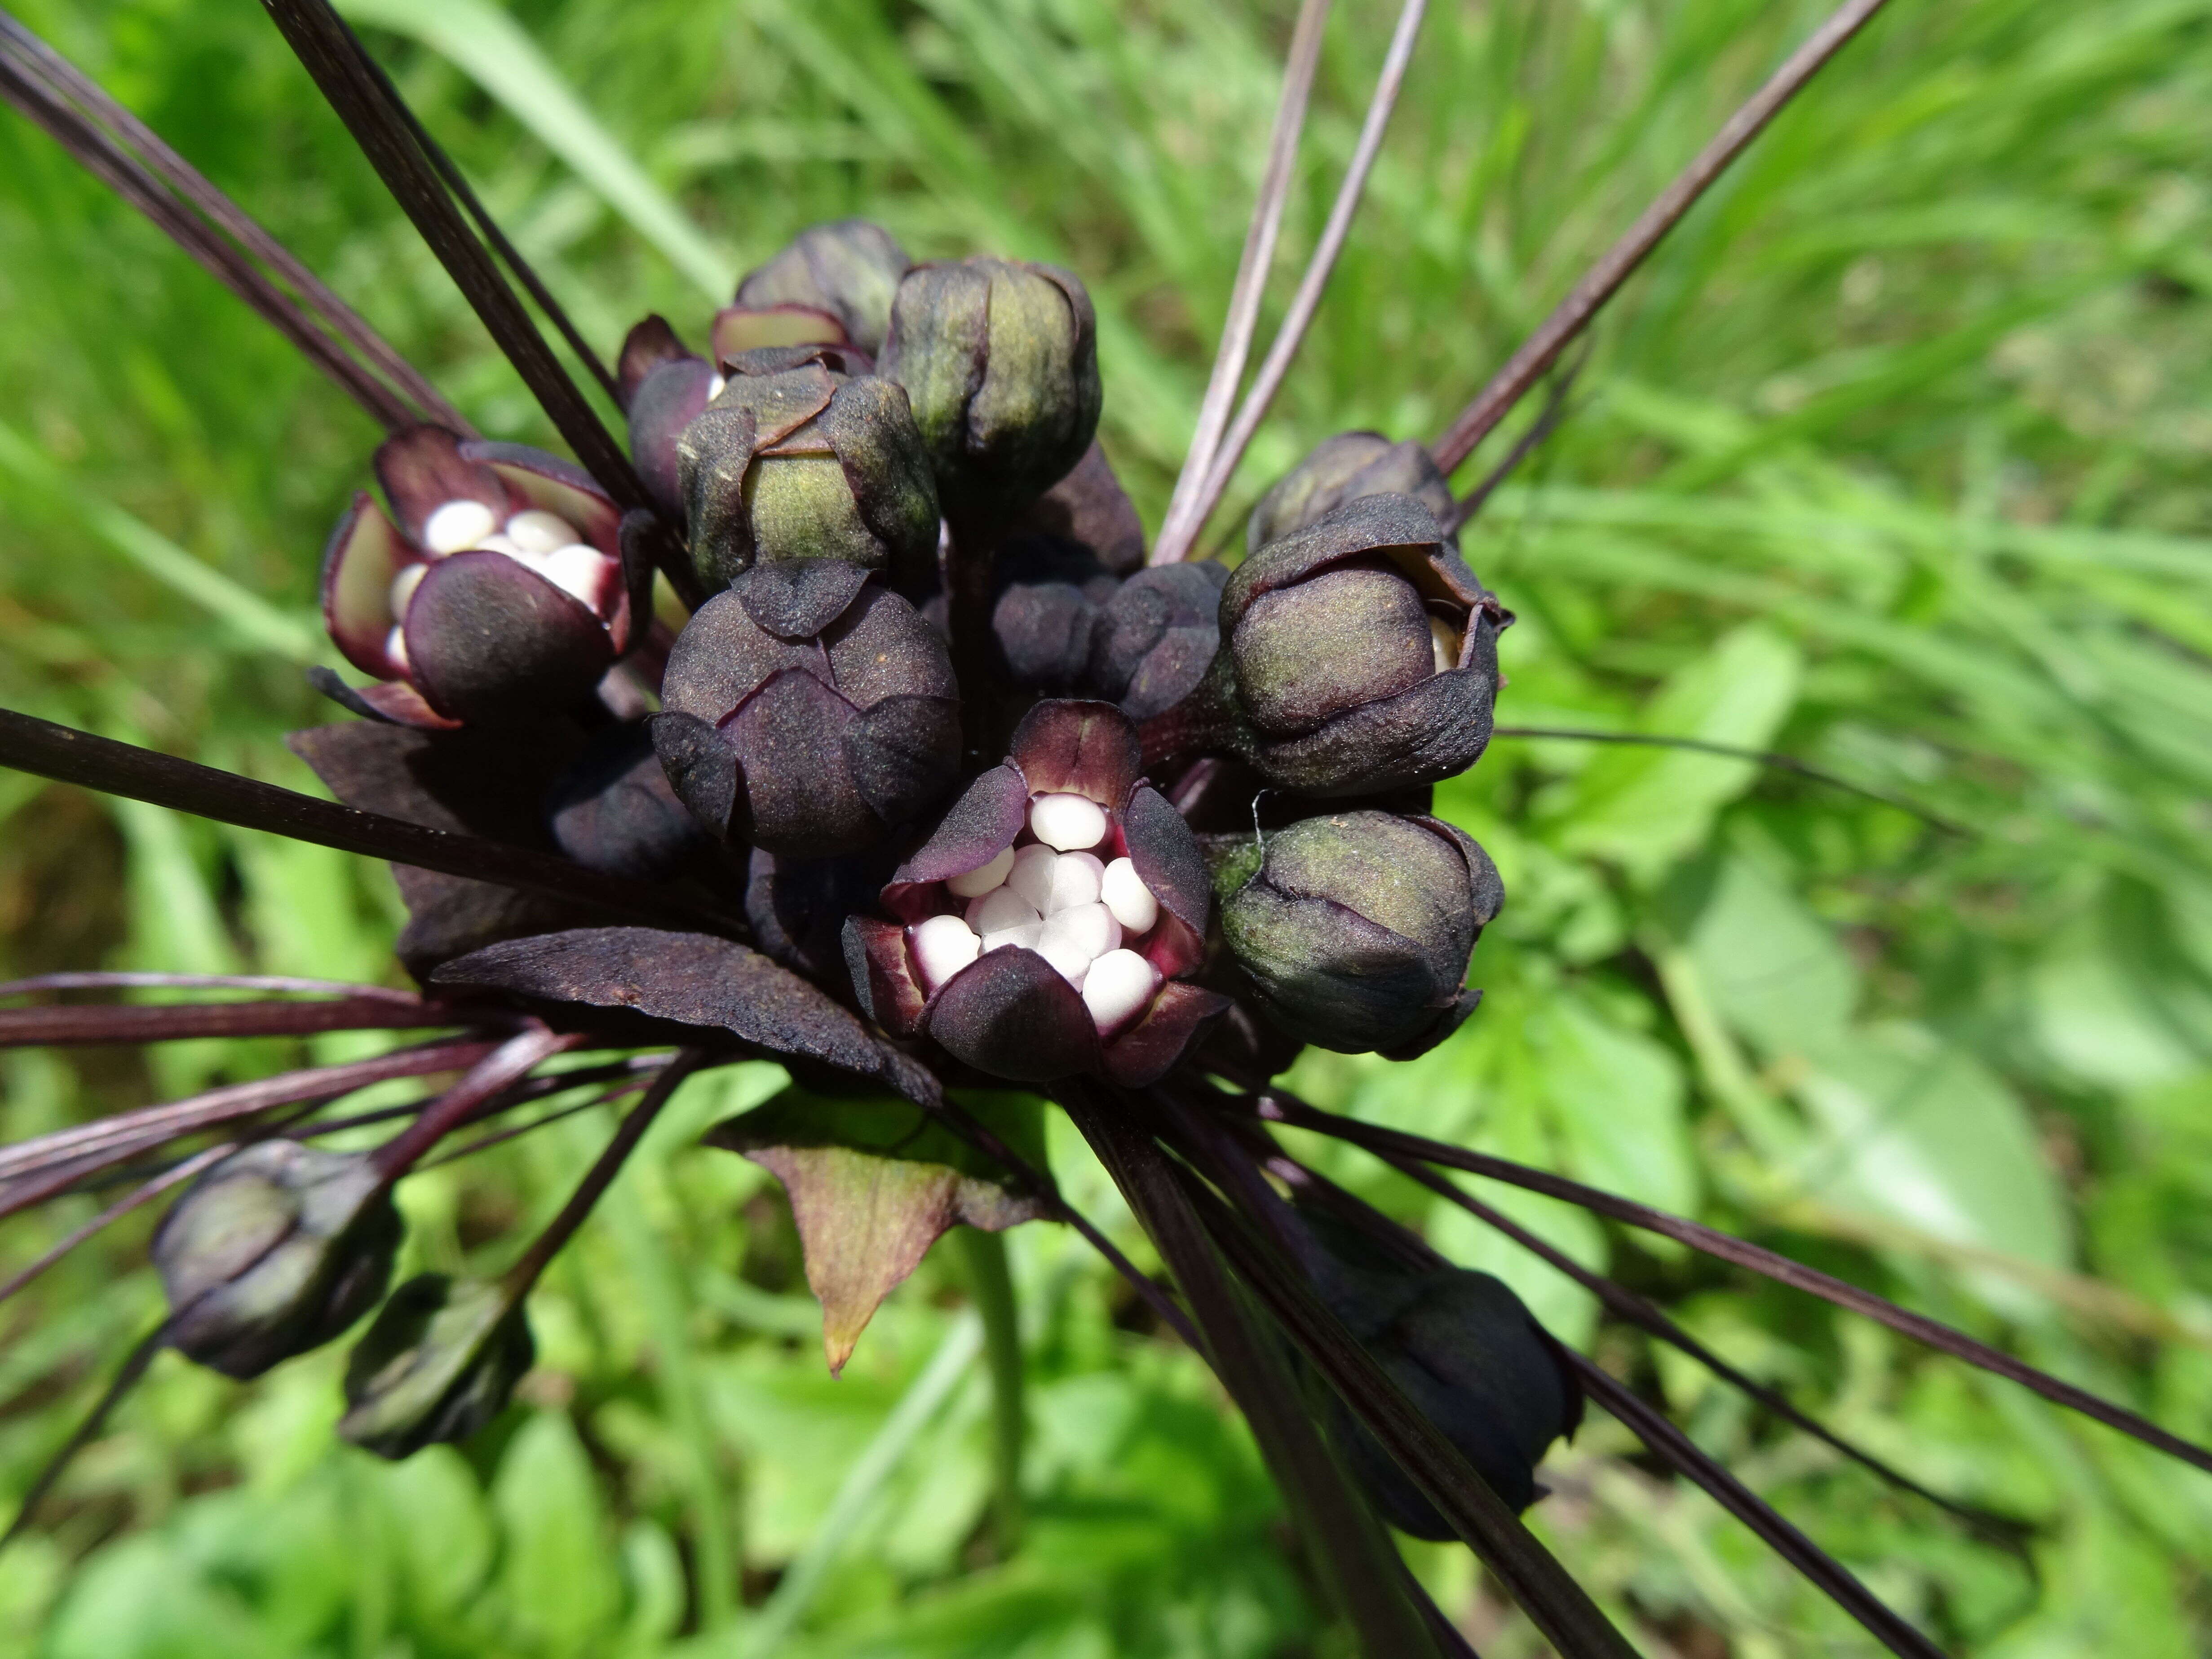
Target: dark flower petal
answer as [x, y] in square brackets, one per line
[1345, 468]
[422, 467]
[650, 344]
[800, 797]
[690, 979]
[490, 640]
[541, 480]
[722, 657]
[613, 808]
[1009, 1014]
[870, 427]
[798, 598]
[883, 973]
[1090, 506]
[365, 552]
[798, 907]
[740, 329]
[1170, 1028]
[668, 400]
[403, 705]
[900, 752]
[1068, 745]
[1167, 860]
[702, 769]
[848, 267]
[975, 829]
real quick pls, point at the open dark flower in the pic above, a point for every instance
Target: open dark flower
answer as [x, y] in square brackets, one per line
[493, 591]
[841, 274]
[440, 1362]
[273, 1251]
[798, 460]
[1357, 655]
[1354, 930]
[806, 735]
[1346, 468]
[1000, 361]
[1048, 925]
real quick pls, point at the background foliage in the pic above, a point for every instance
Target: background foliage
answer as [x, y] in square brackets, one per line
[1896, 459]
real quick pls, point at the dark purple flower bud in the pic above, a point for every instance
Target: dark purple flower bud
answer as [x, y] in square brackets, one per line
[798, 906]
[612, 809]
[1470, 1356]
[492, 592]
[847, 270]
[1044, 612]
[799, 461]
[741, 329]
[1090, 506]
[273, 1251]
[1049, 924]
[808, 734]
[1355, 929]
[664, 388]
[1157, 635]
[1000, 361]
[1342, 469]
[1358, 656]
[440, 1362]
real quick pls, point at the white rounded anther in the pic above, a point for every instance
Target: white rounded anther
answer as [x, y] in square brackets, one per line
[1443, 638]
[1122, 890]
[536, 531]
[714, 387]
[973, 884]
[456, 525]
[395, 646]
[1089, 928]
[1023, 935]
[1067, 823]
[576, 570]
[404, 586]
[496, 542]
[1031, 874]
[943, 946]
[1001, 908]
[1070, 962]
[1075, 878]
[1117, 988]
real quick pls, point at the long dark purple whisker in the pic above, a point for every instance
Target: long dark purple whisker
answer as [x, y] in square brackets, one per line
[1589, 296]
[143, 1194]
[372, 112]
[126, 154]
[127, 1378]
[152, 981]
[537, 1088]
[485, 1143]
[1286, 1109]
[69, 756]
[1766, 757]
[1681, 1454]
[498, 1071]
[153, 1127]
[76, 1023]
[1548, 421]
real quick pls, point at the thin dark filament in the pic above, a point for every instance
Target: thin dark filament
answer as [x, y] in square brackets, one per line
[69, 756]
[1680, 1453]
[1589, 296]
[536, 1089]
[485, 1081]
[113, 143]
[143, 981]
[524, 1273]
[523, 271]
[169, 1022]
[485, 1143]
[1626, 1304]
[1548, 421]
[1251, 284]
[134, 1367]
[144, 1193]
[1758, 757]
[154, 1126]
[373, 113]
[1307, 301]
[1711, 1242]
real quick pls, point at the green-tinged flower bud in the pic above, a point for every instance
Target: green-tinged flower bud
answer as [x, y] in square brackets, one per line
[439, 1363]
[1001, 362]
[1355, 930]
[798, 460]
[848, 267]
[1358, 656]
[1346, 468]
[273, 1251]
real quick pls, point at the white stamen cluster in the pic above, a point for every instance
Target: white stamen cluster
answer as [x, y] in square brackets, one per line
[547, 542]
[1057, 897]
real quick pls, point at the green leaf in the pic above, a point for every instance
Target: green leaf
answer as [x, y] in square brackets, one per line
[1616, 1098]
[1774, 971]
[559, 1577]
[873, 1183]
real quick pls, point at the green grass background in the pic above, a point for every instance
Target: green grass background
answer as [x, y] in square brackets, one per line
[1896, 459]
